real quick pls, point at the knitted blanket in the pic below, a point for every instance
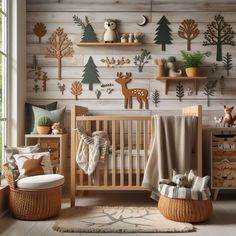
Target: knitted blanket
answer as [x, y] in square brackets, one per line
[91, 149]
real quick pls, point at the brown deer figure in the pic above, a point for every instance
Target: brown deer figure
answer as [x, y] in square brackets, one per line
[140, 94]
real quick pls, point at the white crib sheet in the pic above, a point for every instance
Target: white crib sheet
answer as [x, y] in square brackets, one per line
[126, 159]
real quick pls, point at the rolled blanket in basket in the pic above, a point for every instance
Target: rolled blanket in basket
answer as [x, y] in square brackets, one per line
[90, 151]
[171, 147]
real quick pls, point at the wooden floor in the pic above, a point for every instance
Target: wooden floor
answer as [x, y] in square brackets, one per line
[222, 223]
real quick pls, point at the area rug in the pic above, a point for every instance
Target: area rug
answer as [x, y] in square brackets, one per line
[117, 220]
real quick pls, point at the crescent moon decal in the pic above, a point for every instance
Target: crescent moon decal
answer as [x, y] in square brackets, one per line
[144, 21]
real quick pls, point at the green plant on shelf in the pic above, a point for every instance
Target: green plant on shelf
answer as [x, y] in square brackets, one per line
[194, 59]
[44, 121]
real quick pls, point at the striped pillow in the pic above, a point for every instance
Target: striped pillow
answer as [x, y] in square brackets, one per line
[198, 183]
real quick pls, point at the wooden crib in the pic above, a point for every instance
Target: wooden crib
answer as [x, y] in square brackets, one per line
[123, 167]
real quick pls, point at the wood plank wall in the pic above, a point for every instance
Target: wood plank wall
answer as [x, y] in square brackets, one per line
[55, 13]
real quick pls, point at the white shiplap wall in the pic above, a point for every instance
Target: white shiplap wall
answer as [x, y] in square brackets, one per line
[56, 13]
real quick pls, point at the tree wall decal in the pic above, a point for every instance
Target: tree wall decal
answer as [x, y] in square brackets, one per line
[88, 31]
[163, 33]
[179, 91]
[219, 33]
[188, 30]
[60, 46]
[209, 90]
[40, 30]
[155, 97]
[76, 89]
[90, 74]
[228, 62]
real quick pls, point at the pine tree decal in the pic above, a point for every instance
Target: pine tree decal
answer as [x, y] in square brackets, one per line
[179, 91]
[209, 90]
[163, 33]
[219, 33]
[188, 30]
[228, 62]
[90, 75]
[88, 31]
[155, 97]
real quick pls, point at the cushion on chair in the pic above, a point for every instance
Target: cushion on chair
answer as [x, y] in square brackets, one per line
[40, 182]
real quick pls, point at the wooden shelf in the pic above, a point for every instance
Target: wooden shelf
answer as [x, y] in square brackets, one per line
[102, 44]
[181, 78]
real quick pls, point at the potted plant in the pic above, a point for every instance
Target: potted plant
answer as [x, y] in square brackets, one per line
[43, 125]
[192, 62]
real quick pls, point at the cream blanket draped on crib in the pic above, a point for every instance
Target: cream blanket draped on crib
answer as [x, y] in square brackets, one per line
[171, 147]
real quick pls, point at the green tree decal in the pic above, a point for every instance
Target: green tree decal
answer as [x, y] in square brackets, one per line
[219, 33]
[228, 62]
[163, 33]
[90, 74]
[209, 90]
[88, 31]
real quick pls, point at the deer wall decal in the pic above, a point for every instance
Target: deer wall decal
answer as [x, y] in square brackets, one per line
[140, 94]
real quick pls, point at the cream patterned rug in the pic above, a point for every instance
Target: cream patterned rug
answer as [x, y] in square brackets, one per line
[117, 219]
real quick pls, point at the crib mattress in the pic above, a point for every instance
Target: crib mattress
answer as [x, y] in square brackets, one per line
[141, 159]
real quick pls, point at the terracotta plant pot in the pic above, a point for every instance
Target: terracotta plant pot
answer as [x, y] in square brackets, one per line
[43, 129]
[192, 71]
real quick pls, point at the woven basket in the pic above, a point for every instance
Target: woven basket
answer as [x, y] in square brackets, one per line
[185, 210]
[32, 204]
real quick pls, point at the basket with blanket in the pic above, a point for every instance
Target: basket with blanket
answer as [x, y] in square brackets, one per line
[185, 198]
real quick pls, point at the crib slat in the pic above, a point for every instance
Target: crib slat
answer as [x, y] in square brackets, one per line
[138, 133]
[105, 126]
[97, 125]
[113, 153]
[130, 166]
[121, 153]
[145, 141]
[106, 159]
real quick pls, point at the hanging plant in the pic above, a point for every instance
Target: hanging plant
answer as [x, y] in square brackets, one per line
[209, 90]
[141, 60]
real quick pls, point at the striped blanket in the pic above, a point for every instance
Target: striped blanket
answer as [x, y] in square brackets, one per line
[184, 193]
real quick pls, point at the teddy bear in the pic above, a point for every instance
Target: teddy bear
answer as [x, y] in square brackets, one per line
[56, 128]
[110, 34]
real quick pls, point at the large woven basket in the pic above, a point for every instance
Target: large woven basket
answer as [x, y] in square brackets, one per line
[185, 210]
[32, 204]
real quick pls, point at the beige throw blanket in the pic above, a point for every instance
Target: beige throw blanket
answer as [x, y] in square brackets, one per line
[171, 147]
[91, 150]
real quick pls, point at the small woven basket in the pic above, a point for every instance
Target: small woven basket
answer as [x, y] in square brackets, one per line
[32, 204]
[183, 210]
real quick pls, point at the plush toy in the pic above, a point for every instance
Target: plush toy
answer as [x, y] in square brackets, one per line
[228, 118]
[110, 34]
[178, 180]
[56, 128]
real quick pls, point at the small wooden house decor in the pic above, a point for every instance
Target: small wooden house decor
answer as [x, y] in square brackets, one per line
[209, 90]
[90, 74]
[228, 62]
[40, 30]
[188, 30]
[163, 33]
[179, 91]
[219, 33]
[88, 31]
[140, 94]
[76, 89]
[155, 97]
[141, 60]
[59, 46]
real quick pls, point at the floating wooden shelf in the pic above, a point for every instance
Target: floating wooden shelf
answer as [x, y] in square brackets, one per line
[185, 78]
[102, 44]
